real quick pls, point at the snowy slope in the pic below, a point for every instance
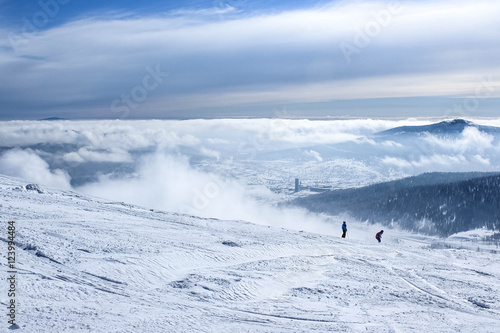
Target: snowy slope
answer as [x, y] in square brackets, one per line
[88, 264]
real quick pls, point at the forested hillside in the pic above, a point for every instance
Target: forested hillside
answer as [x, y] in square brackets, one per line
[432, 203]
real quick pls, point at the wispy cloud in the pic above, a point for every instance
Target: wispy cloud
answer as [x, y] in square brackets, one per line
[315, 155]
[471, 139]
[85, 154]
[435, 161]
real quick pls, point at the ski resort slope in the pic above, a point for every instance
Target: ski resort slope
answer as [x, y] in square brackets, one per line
[90, 265]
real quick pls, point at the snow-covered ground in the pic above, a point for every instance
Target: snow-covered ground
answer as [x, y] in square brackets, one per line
[87, 264]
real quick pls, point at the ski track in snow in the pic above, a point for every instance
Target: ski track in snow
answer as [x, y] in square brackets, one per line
[87, 264]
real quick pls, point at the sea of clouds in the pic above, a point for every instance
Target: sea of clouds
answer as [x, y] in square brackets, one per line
[163, 164]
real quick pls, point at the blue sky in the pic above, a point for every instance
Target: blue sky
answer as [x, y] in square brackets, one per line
[243, 58]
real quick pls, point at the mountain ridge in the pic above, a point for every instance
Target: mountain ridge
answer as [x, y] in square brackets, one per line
[446, 127]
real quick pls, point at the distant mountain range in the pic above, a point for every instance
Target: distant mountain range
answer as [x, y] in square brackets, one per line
[448, 127]
[432, 203]
[53, 119]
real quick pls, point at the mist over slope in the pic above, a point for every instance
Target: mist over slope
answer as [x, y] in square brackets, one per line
[433, 203]
[94, 265]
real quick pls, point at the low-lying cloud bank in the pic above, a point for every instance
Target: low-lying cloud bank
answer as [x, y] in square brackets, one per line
[137, 134]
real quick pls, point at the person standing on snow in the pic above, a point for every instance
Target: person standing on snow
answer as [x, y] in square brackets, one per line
[344, 229]
[378, 236]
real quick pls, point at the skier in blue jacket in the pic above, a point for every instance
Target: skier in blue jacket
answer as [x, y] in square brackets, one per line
[344, 229]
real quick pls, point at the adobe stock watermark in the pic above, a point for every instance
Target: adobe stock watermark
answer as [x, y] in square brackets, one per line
[39, 20]
[363, 37]
[486, 88]
[12, 305]
[138, 93]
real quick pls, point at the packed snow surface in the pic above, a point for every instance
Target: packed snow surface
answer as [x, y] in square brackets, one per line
[87, 264]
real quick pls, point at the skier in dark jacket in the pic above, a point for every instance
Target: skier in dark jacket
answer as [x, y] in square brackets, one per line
[344, 229]
[378, 236]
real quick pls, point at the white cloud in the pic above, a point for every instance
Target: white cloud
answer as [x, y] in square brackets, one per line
[85, 154]
[435, 162]
[482, 160]
[217, 141]
[220, 10]
[210, 153]
[314, 154]
[29, 166]
[161, 182]
[471, 139]
[386, 143]
[73, 157]
[396, 161]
